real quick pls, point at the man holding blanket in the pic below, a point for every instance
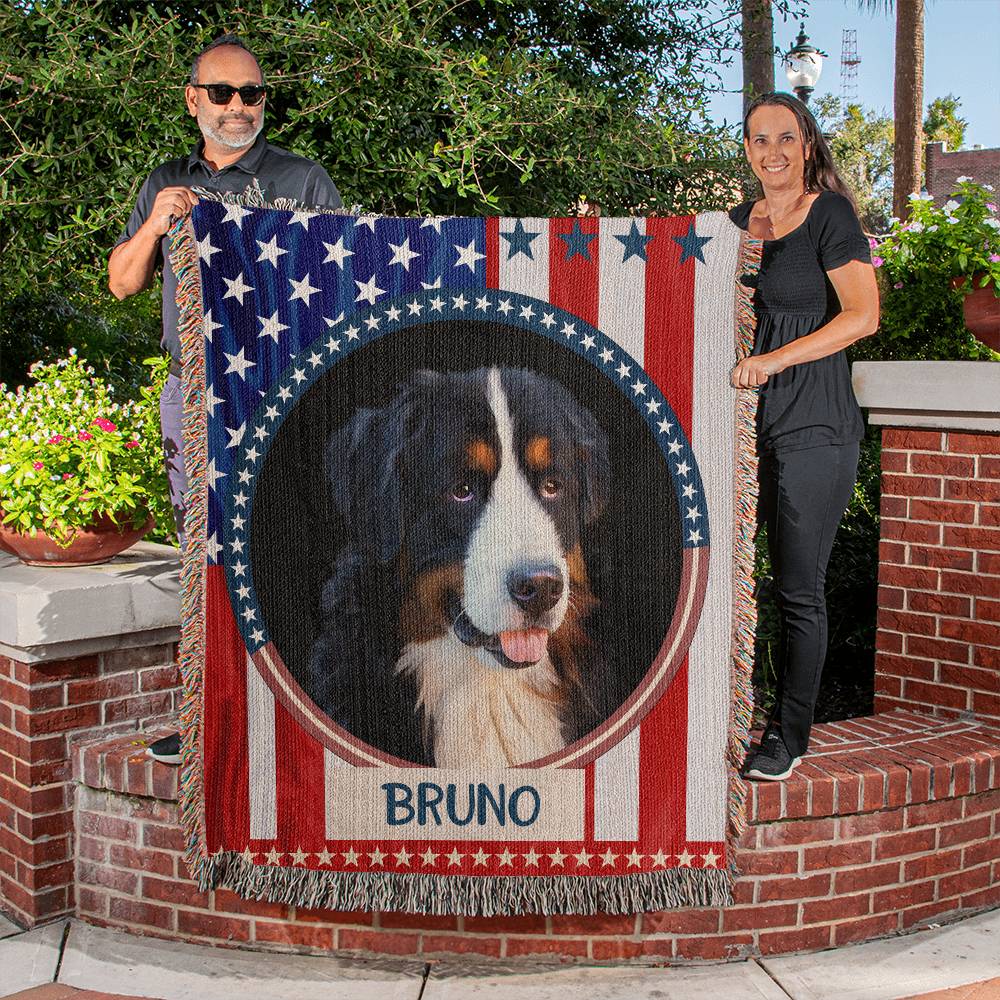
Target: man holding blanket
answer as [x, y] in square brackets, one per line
[226, 94]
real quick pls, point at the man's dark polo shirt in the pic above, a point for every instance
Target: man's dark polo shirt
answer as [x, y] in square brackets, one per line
[279, 173]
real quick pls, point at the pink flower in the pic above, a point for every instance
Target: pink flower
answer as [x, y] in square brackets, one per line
[898, 284]
[994, 257]
[85, 435]
[132, 444]
[877, 262]
[991, 206]
[105, 425]
[872, 242]
[37, 466]
[67, 475]
[55, 439]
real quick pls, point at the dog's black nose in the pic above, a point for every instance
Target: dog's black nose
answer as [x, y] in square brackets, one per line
[536, 589]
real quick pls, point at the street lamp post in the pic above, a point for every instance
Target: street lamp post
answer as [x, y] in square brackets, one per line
[803, 64]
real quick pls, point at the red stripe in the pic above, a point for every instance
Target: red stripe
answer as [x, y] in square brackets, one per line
[588, 802]
[573, 284]
[669, 345]
[663, 770]
[301, 791]
[225, 760]
[493, 252]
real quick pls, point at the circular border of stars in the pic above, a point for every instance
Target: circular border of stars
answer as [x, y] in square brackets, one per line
[436, 305]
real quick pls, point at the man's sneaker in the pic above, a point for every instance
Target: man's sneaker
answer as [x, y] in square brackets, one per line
[771, 761]
[167, 750]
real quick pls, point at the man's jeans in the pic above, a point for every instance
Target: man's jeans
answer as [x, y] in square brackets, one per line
[171, 418]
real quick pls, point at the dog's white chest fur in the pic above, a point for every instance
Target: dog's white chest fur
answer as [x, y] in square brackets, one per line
[482, 714]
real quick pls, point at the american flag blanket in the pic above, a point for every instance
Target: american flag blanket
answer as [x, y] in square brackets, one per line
[466, 593]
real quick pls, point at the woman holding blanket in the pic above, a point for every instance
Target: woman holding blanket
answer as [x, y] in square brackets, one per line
[815, 295]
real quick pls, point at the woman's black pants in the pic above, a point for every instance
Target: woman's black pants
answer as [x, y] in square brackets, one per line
[803, 495]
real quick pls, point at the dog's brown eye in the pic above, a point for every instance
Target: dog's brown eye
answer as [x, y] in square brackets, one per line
[551, 487]
[462, 492]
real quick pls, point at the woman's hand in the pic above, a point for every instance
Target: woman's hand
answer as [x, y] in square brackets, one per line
[755, 370]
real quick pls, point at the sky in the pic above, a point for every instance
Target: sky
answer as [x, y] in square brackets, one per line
[961, 57]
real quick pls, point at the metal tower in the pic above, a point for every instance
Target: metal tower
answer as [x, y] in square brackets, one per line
[849, 63]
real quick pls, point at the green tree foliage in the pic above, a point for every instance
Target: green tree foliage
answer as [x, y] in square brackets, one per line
[413, 106]
[942, 123]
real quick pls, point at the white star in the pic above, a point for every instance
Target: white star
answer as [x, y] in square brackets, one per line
[239, 567]
[606, 355]
[270, 251]
[260, 432]
[482, 304]
[454, 858]
[238, 364]
[710, 859]
[372, 322]
[403, 857]
[336, 253]
[324, 857]
[238, 523]
[303, 290]
[257, 637]
[415, 308]
[253, 454]
[334, 322]
[209, 326]
[639, 388]
[240, 499]
[245, 477]
[434, 221]
[235, 436]
[366, 220]
[271, 326]
[468, 255]
[557, 857]
[437, 304]
[664, 426]
[531, 857]
[436, 283]
[624, 370]
[315, 359]
[299, 858]
[527, 312]
[332, 345]
[653, 406]
[248, 855]
[205, 249]
[392, 314]
[608, 858]
[683, 469]
[569, 329]
[236, 289]
[689, 491]
[350, 856]
[376, 857]
[302, 218]
[480, 857]
[684, 859]
[548, 320]
[635, 858]
[212, 547]
[588, 342]
[299, 375]
[285, 393]
[659, 858]
[235, 213]
[459, 302]
[583, 858]
[352, 332]
[368, 290]
[273, 857]
[694, 537]
[673, 447]
[504, 307]
[506, 858]
[693, 514]
[402, 254]
[429, 857]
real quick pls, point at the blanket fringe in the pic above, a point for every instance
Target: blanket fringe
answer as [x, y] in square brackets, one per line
[476, 895]
[744, 604]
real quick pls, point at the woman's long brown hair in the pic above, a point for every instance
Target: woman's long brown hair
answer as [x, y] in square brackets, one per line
[820, 170]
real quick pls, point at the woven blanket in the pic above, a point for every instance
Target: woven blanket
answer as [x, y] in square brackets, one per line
[467, 622]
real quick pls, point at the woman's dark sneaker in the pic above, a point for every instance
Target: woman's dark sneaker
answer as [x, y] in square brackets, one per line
[771, 761]
[167, 750]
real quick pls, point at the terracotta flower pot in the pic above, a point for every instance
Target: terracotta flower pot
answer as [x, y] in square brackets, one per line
[981, 309]
[102, 541]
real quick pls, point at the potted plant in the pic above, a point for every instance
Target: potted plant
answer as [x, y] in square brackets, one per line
[81, 473]
[958, 242]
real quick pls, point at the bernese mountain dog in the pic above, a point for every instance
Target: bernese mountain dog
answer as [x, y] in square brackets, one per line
[453, 626]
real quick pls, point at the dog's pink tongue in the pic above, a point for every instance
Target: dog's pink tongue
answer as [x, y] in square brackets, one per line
[524, 645]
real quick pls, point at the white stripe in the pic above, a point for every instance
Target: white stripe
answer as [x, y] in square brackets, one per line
[714, 443]
[519, 273]
[621, 301]
[616, 791]
[621, 307]
[331, 765]
[260, 739]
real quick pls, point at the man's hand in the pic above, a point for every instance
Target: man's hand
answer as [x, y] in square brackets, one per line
[169, 205]
[755, 371]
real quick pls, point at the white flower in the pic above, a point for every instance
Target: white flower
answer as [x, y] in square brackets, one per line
[951, 219]
[992, 223]
[932, 229]
[917, 227]
[5, 468]
[962, 180]
[951, 205]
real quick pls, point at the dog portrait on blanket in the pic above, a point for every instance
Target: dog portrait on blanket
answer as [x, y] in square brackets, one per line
[468, 599]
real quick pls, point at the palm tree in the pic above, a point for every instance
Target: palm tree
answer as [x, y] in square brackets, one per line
[758, 49]
[908, 98]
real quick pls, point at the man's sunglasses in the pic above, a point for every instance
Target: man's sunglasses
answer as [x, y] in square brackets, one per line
[221, 93]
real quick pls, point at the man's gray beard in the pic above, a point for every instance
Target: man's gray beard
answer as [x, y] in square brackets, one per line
[229, 140]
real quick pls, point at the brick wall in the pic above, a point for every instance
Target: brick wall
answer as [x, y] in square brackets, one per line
[938, 643]
[46, 708]
[944, 168]
[890, 823]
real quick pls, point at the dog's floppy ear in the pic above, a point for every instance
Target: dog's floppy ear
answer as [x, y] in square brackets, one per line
[362, 469]
[595, 467]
